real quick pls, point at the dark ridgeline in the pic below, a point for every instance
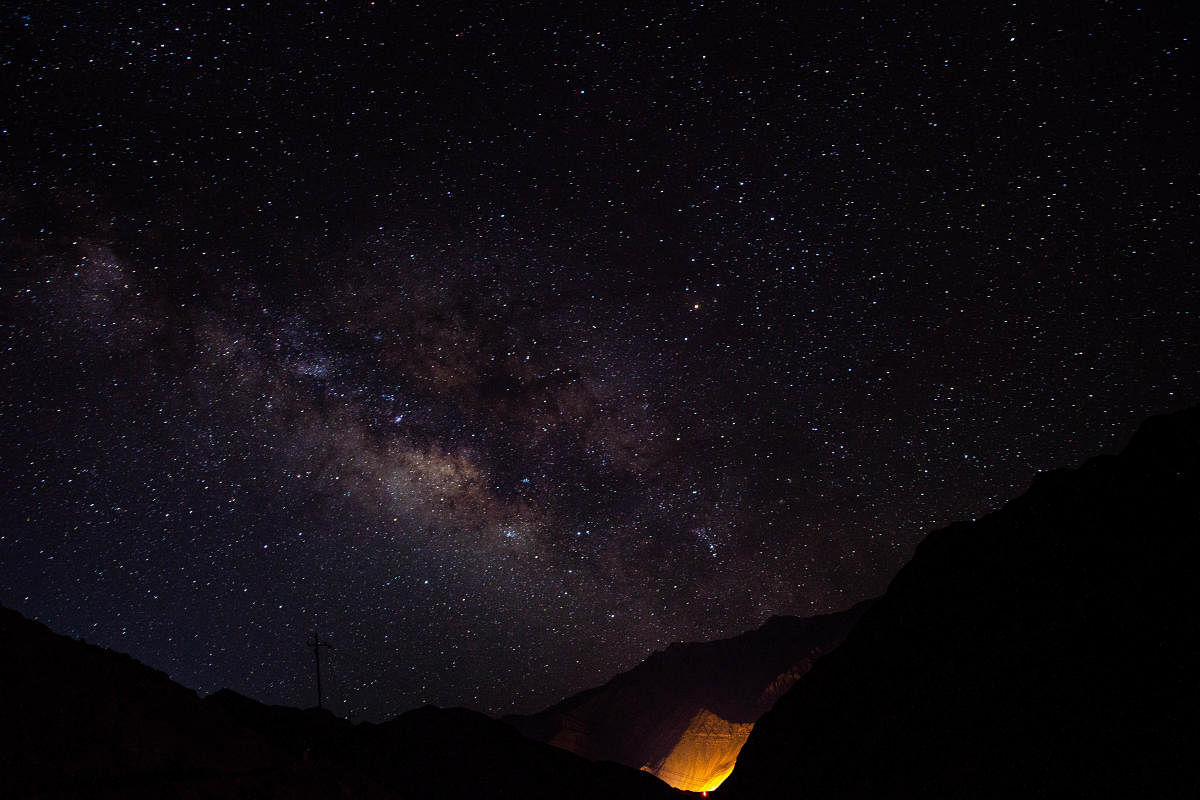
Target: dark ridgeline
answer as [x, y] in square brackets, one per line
[1046, 650]
[683, 713]
[81, 721]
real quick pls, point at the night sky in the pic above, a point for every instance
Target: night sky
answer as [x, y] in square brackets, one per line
[506, 343]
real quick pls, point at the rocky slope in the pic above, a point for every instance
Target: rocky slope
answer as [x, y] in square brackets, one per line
[683, 714]
[1048, 649]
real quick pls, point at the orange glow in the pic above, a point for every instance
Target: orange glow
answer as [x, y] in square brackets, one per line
[704, 755]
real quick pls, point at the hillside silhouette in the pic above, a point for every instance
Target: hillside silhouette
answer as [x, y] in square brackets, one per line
[1045, 650]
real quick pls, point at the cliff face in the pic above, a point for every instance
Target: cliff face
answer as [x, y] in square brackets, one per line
[684, 714]
[1047, 649]
[705, 753]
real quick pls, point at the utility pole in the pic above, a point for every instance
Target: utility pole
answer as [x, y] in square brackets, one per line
[316, 644]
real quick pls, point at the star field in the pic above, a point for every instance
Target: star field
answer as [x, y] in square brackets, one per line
[505, 344]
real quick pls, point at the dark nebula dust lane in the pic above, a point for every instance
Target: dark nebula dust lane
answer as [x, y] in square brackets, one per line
[506, 345]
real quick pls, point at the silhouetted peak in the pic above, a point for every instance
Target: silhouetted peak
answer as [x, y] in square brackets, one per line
[1046, 649]
[1167, 433]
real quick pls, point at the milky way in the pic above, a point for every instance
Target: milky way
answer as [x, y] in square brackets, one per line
[504, 347]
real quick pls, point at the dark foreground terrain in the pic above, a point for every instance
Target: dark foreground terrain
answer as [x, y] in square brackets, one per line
[1047, 650]
[82, 721]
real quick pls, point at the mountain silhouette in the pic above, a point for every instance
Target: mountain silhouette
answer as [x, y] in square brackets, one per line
[684, 713]
[82, 721]
[1045, 650]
